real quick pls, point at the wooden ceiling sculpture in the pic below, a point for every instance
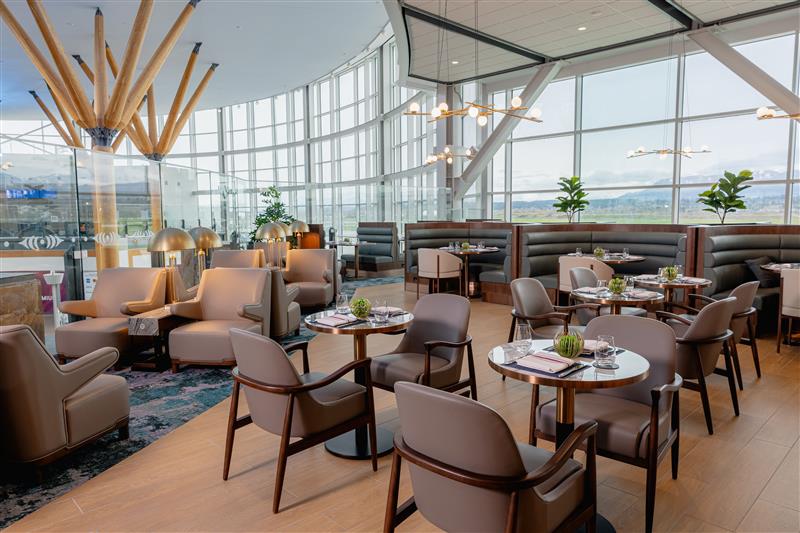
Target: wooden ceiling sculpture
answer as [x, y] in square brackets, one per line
[109, 116]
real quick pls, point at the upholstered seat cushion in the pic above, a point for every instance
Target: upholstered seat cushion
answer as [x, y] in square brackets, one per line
[550, 503]
[207, 340]
[84, 336]
[293, 314]
[96, 407]
[624, 425]
[493, 276]
[341, 401]
[312, 292]
[390, 368]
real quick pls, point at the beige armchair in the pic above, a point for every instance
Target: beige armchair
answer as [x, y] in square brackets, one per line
[311, 272]
[227, 298]
[285, 312]
[119, 293]
[237, 259]
[48, 409]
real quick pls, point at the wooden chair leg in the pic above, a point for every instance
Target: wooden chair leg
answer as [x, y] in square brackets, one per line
[736, 365]
[124, 433]
[473, 384]
[706, 405]
[286, 436]
[675, 451]
[650, 497]
[532, 425]
[232, 414]
[417, 287]
[754, 346]
[780, 332]
[728, 367]
[394, 490]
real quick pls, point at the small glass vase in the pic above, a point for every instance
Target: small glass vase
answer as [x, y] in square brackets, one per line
[568, 344]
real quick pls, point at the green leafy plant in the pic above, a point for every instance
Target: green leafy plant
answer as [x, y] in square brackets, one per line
[569, 345]
[616, 285]
[360, 307]
[275, 211]
[574, 199]
[724, 196]
[599, 253]
[465, 245]
[670, 272]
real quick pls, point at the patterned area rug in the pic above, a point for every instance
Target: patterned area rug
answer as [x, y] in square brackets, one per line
[160, 402]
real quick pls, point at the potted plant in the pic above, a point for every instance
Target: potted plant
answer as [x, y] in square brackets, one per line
[360, 307]
[599, 253]
[465, 245]
[616, 285]
[568, 344]
[724, 196]
[574, 199]
[275, 211]
[670, 273]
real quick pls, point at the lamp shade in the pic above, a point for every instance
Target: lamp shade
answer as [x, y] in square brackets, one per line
[170, 240]
[298, 226]
[270, 230]
[205, 238]
[285, 227]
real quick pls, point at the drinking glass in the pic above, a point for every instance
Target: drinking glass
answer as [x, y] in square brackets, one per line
[579, 252]
[679, 269]
[481, 245]
[451, 245]
[629, 282]
[626, 253]
[381, 312]
[522, 338]
[661, 276]
[602, 284]
[605, 353]
[342, 303]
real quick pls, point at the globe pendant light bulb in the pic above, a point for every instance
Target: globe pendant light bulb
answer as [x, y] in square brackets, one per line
[414, 107]
[447, 149]
[436, 112]
[443, 106]
[630, 153]
[687, 149]
[449, 160]
[472, 111]
[641, 149]
[762, 112]
[534, 113]
[516, 102]
[483, 120]
[705, 148]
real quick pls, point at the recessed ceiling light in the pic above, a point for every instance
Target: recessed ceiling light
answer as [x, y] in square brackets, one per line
[582, 28]
[454, 62]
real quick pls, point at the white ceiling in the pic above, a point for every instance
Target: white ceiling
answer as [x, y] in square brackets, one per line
[548, 28]
[263, 46]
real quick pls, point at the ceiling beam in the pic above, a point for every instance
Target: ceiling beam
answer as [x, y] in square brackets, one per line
[677, 13]
[541, 78]
[751, 73]
[473, 33]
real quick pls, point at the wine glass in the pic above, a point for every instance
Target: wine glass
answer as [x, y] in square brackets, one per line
[342, 303]
[629, 281]
[626, 253]
[381, 312]
[579, 252]
[605, 352]
[522, 338]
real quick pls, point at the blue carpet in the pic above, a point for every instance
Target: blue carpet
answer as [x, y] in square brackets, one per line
[160, 402]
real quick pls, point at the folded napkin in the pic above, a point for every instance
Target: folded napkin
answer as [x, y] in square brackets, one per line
[391, 311]
[647, 277]
[591, 290]
[335, 320]
[590, 345]
[545, 362]
[640, 293]
[685, 279]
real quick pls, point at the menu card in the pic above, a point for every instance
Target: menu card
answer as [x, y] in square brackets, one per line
[545, 362]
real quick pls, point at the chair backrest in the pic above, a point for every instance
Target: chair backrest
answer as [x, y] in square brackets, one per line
[790, 287]
[433, 261]
[530, 298]
[583, 277]
[712, 321]
[31, 397]
[745, 295]
[653, 340]
[464, 434]
[308, 264]
[264, 360]
[237, 259]
[566, 263]
[437, 317]
[118, 285]
[280, 303]
[223, 290]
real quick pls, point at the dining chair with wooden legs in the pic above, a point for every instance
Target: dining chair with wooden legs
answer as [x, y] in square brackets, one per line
[436, 265]
[789, 304]
[312, 406]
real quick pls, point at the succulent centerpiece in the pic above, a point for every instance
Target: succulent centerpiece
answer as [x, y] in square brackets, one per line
[616, 285]
[568, 344]
[465, 245]
[670, 273]
[360, 307]
[599, 252]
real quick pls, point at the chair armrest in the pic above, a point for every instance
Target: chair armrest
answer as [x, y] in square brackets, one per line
[327, 276]
[664, 316]
[682, 306]
[569, 309]
[430, 345]
[188, 309]
[585, 431]
[675, 386]
[564, 317]
[291, 293]
[80, 371]
[300, 345]
[136, 307]
[305, 387]
[79, 308]
[254, 311]
[702, 297]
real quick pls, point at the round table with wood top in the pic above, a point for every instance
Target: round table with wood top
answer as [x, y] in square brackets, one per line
[355, 444]
[616, 301]
[689, 284]
[775, 268]
[466, 253]
[633, 368]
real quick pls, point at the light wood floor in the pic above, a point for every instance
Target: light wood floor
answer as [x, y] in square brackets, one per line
[745, 477]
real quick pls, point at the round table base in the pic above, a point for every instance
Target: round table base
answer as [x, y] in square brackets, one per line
[603, 526]
[347, 447]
